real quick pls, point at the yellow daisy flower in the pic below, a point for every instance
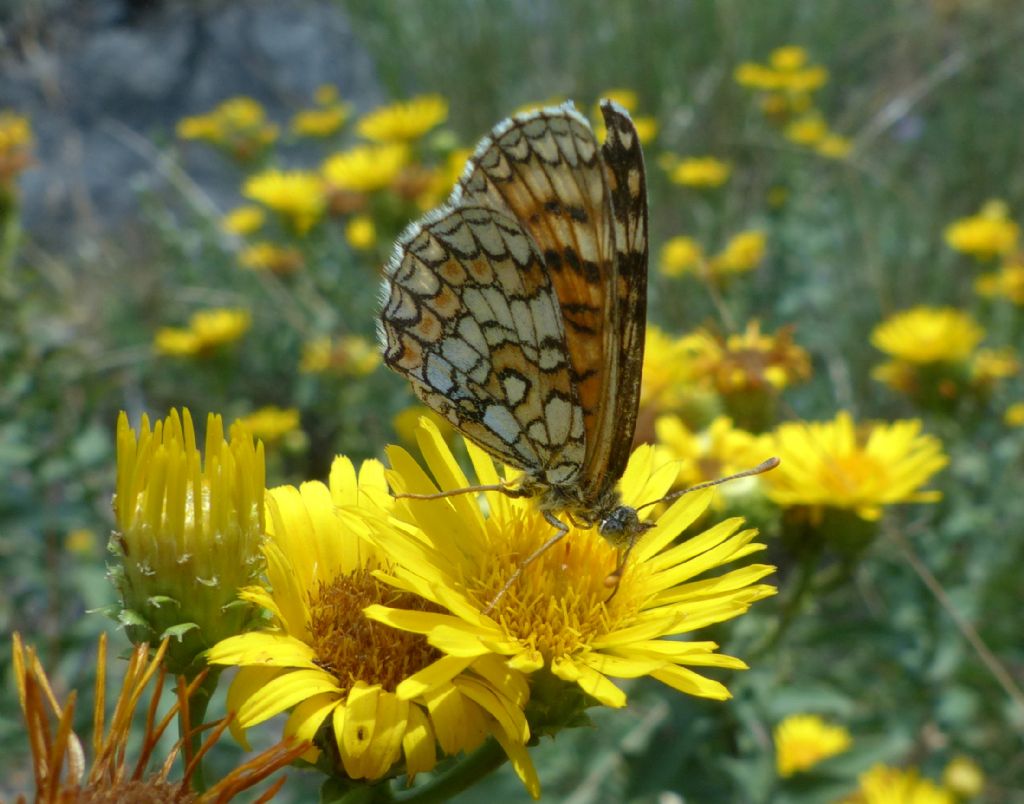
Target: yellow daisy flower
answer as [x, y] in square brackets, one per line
[719, 450]
[265, 255]
[964, 777]
[321, 121]
[243, 220]
[460, 552]
[405, 120]
[365, 168]
[788, 58]
[207, 330]
[361, 233]
[811, 129]
[704, 171]
[834, 146]
[270, 423]
[669, 371]
[988, 234]
[928, 335]
[350, 355]
[1007, 282]
[832, 465]
[385, 696]
[743, 252]
[295, 195]
[238, 125]
[680, 255]
[802, 741]
[886, 785]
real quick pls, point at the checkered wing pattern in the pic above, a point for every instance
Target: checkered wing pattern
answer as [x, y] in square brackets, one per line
[471, 318]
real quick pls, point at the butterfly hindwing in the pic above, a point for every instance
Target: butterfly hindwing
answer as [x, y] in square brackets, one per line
[471, 318]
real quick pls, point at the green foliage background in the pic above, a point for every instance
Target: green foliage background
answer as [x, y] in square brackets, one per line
[931, 95]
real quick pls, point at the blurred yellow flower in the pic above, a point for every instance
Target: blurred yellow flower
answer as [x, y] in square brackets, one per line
[646, 128]
[321, 121]
[747, 361]
[267, 256]
[788, 58]
[207, 330]
[719, 450]
[626, 98]
[243, 220]
[886, 785]
[407, 422]
[361, 233]
[833, 464]
[404, 120]
[811, 129]
[787, 71]
[351, 355]
[238, 125]
[365, 168]
[704, 171]
[81, 541]
[742, 253]
[802, 741]
[15, 146]
[1007, 283]
[988, 234]
[668, 373]
[443, 178]
[924, 335]
[270, 423]
[295, 195]
[964, 777]
[834, 146]
[989, 365]
[1014, 416]
[374, 700]
[680, 255]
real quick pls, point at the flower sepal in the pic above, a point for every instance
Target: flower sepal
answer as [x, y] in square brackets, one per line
[555, 705]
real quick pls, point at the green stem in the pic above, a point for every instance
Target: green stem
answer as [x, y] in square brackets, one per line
[486, 759]
[804, 583]
[198, 703]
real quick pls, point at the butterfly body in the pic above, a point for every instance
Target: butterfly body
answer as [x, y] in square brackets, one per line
[517, 310]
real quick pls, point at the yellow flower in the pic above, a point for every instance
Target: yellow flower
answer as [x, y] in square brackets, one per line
[365, 168]
[830, 464]
[1014, 416]
[680, 255]
[757, 76]
[322, 121]
[669, 371]
[351, 355]
[964, 777]
[238, 125]
[811, 129]
[834, 146]
[722, 449]
[81, 541]
[58, 754]
[295, 195]
[748, 361]
[459, 552]
[188, 531]
[360, 232]
[985, 235]
[885, 785]
[207, 330]
[267, 256]
[15, 146]
[704, 171]
[405, 120]
[243, 221]
[1007, 282]
[925, 335]
[989, 365]
[384, 696]
[646, 128]
[802, 741]
[788, 58]
[443, 179]
[626, 98]
[407, 422]
[743, 252]
[270, 423]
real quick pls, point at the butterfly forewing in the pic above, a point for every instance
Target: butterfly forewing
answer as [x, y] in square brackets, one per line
[471, 318]
[545, 169]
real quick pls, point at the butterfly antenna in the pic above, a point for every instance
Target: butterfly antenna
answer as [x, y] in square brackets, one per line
[761, 468]
[439, 495]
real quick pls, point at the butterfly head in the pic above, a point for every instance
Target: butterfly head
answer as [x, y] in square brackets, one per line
[621, 526]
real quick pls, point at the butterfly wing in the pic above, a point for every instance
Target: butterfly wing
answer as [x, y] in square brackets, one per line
[470, 317]
[624, 170]
[545, 169]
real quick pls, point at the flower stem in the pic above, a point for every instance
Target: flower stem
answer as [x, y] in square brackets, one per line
[487, 758]
[197, 705]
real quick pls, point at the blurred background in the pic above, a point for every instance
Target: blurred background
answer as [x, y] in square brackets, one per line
[196, 199]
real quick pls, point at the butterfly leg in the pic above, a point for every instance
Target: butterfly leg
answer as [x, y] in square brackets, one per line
[560, 530]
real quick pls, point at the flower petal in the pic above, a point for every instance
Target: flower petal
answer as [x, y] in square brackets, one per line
[282, 692]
